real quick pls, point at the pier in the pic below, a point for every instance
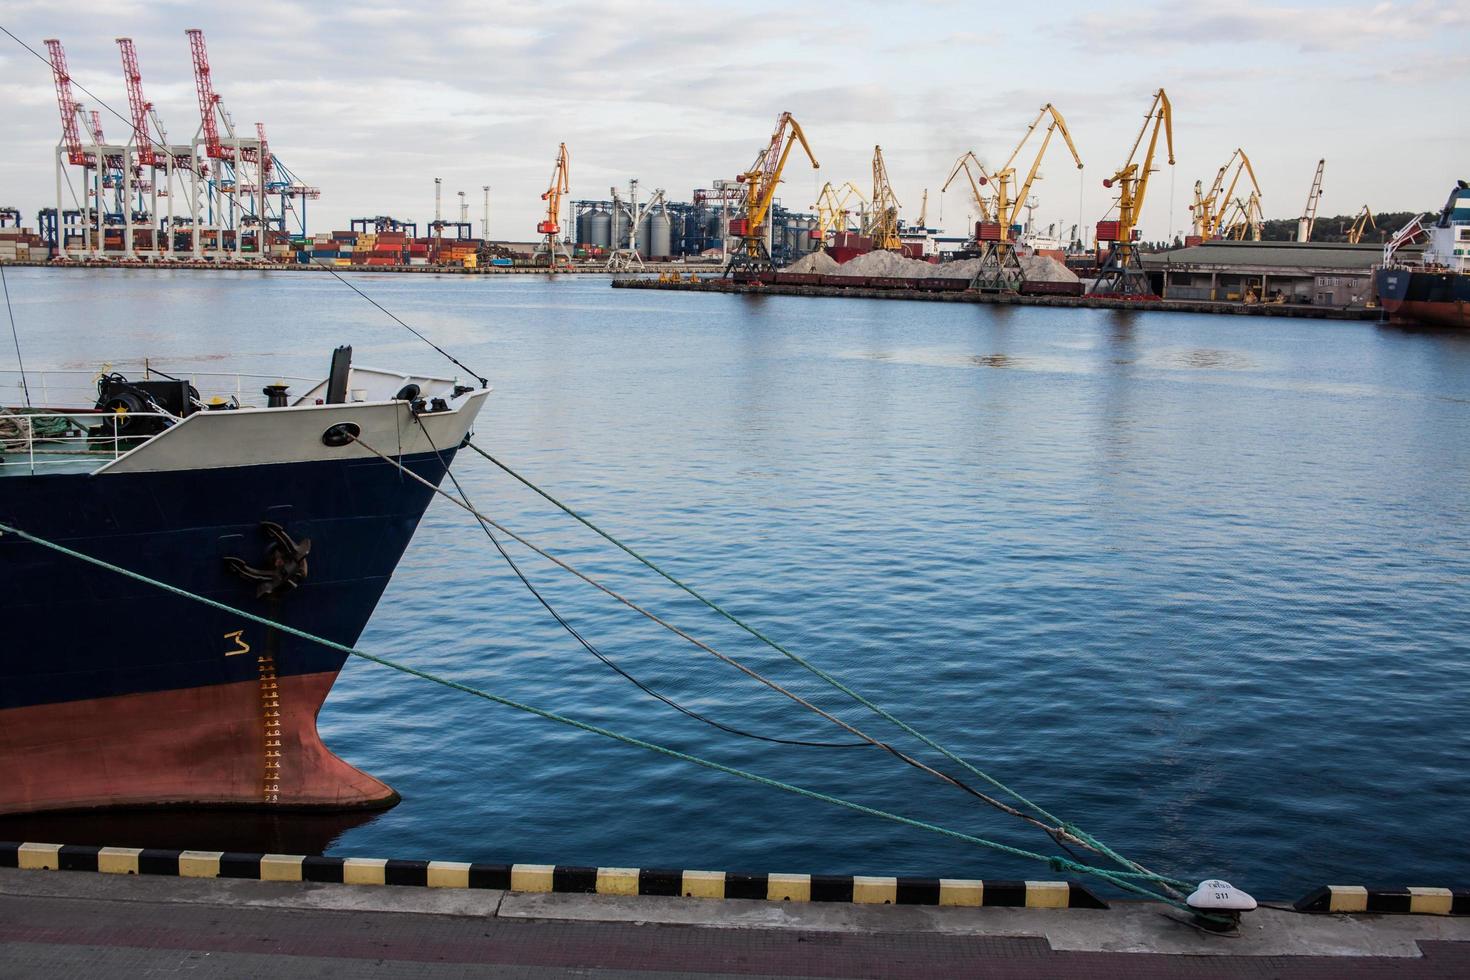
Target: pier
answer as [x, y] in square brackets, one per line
[60, 923]
[721, 285]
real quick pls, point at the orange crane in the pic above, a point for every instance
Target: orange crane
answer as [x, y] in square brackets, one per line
[1122, 274]
[550, 228]
[1000, 267]
[760, 183]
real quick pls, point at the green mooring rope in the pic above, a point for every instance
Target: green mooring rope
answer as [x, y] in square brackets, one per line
[1119, 879]
[835, 682]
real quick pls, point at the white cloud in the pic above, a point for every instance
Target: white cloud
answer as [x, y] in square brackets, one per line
[371, 100]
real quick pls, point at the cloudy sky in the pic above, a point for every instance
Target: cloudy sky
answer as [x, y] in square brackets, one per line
[371, 100]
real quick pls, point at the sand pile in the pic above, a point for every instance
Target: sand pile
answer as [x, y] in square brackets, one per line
[817, 263]
[1038, 268]
[887, 264]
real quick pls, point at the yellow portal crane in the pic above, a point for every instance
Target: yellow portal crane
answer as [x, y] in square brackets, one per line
[924, 210]
[883, 208]
[550, 228]
[1361, 224]
[1122, 274]
[1209, 209]
[1308, 220]
[1000, 268]
[970, 165]
[760, 191]
[1244, 217]
[833, 209]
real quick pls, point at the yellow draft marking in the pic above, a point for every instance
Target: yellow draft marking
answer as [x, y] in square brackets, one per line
[240, 645]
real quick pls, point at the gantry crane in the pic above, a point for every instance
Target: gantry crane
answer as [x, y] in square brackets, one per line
[1000, 267]
[1209, 208]
[760, 183]
[550, 227]
[1361, 224]
[1122, 274]
[1308, 219]
[882, 224]
[833, 212]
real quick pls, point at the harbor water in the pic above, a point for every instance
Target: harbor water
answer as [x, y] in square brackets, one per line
[1197, 584]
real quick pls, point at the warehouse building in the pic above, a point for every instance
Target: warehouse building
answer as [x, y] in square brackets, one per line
[1312, 273]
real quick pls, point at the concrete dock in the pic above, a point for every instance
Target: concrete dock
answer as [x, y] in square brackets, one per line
[58, 923]
[716, 284]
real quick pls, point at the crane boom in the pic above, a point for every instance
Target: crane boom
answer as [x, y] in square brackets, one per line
[560, 183]
[1361, 224]
[138, 106]
[1123, 274]
[760, 183]
[883, 218]
[70, 134]
[982, 205]
[1008, 206]
[1309, 213]
[208, 100]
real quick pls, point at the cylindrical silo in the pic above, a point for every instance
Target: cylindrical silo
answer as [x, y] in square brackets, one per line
[660, 234]
[583, 220]
[641, 242]
[599, 229]
[618, 234]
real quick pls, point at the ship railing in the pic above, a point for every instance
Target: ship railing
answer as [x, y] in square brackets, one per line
[32, 440]
[66, 387]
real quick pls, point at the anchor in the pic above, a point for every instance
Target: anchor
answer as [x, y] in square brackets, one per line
[285, 566]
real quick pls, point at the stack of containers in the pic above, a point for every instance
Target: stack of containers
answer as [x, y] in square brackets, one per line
[21, 245]
[389, 249]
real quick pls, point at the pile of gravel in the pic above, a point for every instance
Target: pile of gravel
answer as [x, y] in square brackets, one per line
[1038, 268]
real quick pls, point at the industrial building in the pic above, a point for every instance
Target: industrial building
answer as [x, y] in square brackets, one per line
[673, 229]
[1306, 273]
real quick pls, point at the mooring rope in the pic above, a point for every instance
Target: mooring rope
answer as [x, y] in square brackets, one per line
[1058, 831]
[1120, 879]
[1070, 830]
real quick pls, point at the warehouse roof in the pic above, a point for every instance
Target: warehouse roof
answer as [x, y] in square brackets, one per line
[1271, 255]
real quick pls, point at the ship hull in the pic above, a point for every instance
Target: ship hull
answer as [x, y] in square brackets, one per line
[1440, 299]
[116, 693]
[219, 745]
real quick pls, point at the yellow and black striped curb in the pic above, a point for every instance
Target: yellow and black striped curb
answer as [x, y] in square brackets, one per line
[854, 889]
[1401, 901]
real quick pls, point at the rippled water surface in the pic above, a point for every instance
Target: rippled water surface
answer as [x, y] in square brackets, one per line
[1196, 583]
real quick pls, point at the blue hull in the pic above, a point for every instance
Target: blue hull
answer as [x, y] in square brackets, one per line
[76, 632]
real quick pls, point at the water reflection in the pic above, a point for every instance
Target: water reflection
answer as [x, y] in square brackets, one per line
[251, 831]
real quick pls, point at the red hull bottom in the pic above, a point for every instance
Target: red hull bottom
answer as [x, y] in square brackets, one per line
[246, 744]
[1436, 314]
